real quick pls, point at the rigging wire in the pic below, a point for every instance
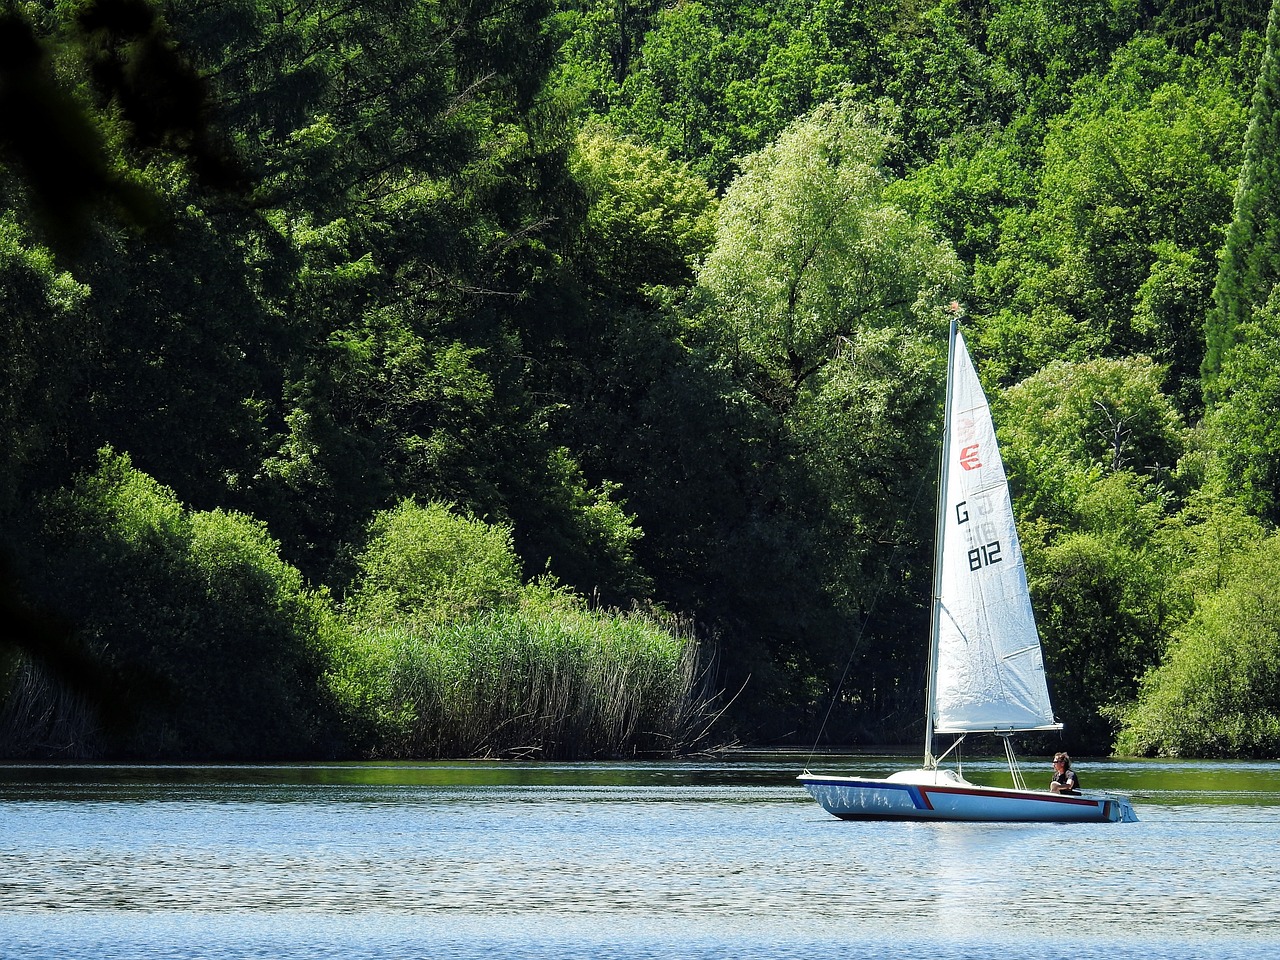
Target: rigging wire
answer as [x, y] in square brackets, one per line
[862, 629]
[1014, 769]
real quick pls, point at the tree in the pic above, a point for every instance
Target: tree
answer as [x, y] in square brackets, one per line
[1188, 22]
[426, 564]
[945, 83]
[220, 642]
[827, 302]
[1242, 425]
[1116, 252]
[1090, 450]
[43, 316]
[808, 252]
[1100, 599]
[1070, 424]
[1049, 44]
[675, 102]
[1250, 264]
[719, 79]
[1217, 691]
[650, 220]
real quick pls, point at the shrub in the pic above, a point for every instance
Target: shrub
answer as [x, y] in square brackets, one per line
[223, 641]
[425, 564]
[1217, 692]
[448, 655]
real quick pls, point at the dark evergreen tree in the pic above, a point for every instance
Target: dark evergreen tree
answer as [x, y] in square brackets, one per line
[1251, 261]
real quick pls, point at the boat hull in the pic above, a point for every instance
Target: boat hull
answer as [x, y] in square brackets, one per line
[854, 798]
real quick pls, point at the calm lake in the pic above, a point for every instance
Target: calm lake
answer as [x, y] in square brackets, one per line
[638, 860]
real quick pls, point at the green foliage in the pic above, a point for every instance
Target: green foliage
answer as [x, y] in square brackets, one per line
[315, 260]
[1086, 447]
[425, 565]
[448, 654]
[674, 100]
[589, 538]
[808, 251]
[1116, 254]
[1049, 44]
[63, 161]
[650, 220]
[1217, 692]
[826, 300]
[42, 316]
[1243, 426]
[977, 179]
[1071, 423]
[718, 80]
[877, 406]
[1189, 22]
[187, 332]
[1203, 544]
[946, 86]
[1100, 608]
[1251, 259]
[195, 609]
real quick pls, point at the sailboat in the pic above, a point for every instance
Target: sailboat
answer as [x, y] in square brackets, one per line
[986, 668]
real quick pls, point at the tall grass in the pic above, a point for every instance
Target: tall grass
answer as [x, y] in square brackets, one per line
[521, 681]
[448, 654]
[40, 718]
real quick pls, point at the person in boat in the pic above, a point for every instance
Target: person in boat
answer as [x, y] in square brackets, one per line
[1064, 778]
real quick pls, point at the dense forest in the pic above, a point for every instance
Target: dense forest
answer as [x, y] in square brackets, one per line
[564, 378]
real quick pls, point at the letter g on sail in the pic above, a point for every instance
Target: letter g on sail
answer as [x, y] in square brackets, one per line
[969, 457]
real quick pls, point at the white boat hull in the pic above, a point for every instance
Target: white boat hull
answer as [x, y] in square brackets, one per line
[926, 796]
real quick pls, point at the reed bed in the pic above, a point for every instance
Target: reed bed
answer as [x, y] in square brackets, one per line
[42, 719]
[521, 683]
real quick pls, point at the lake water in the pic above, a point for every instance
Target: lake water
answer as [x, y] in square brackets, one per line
[642, 860]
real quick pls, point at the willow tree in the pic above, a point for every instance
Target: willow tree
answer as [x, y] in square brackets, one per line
[809, 253]
[831, 302]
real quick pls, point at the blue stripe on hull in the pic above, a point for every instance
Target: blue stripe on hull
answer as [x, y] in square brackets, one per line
[853, 799]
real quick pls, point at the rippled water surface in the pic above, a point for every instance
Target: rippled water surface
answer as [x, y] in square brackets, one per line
[662, 860]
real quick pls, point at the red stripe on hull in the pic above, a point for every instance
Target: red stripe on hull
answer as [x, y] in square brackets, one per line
[1007, 795]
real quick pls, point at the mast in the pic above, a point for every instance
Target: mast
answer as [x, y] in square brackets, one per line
[935, 617]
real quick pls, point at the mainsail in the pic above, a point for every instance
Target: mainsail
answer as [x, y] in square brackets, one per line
[988, 671]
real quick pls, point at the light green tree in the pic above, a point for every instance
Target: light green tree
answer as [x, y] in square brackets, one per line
[809, 252]
[1099, 592]
[828, 304]
[1071, 423]
[650, 219]
[427, 564]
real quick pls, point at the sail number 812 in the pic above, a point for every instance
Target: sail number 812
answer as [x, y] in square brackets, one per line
[985, 555]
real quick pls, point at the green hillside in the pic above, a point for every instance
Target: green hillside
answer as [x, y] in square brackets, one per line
[415, 378]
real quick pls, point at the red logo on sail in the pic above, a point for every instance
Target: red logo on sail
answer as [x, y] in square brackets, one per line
[969, 457]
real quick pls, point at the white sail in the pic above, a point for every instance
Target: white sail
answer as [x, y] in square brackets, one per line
[988, 668]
